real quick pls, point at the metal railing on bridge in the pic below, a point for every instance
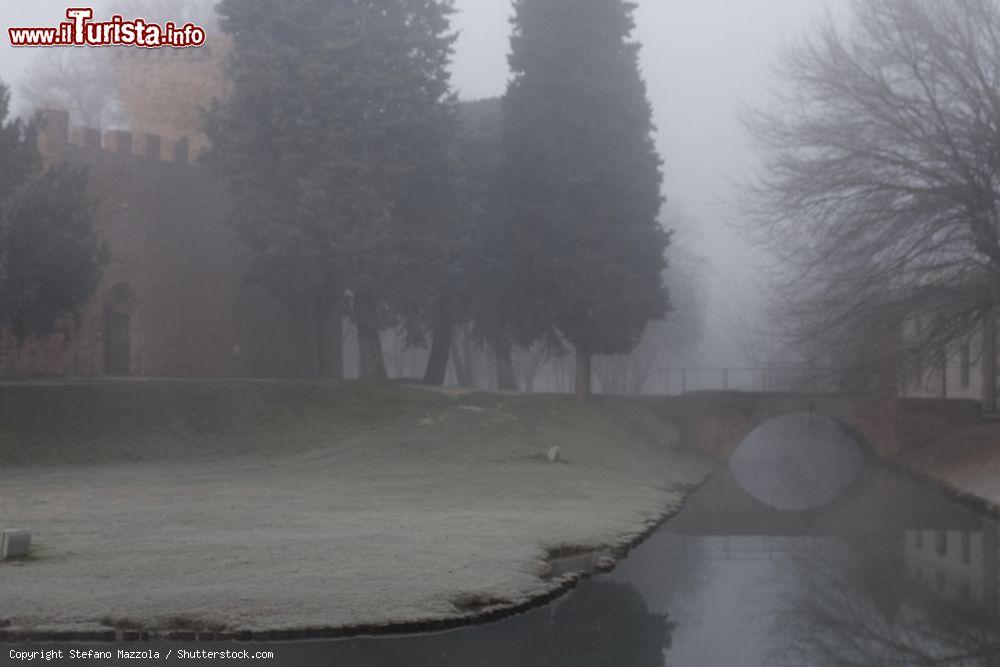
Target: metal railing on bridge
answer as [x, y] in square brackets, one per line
[673, 381]
[744, 547]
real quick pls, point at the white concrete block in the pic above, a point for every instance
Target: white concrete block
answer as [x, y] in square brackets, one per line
[14, 543]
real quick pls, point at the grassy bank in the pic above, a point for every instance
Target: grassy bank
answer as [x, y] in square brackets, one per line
[114, 421]
[243, 505]
[965, 464]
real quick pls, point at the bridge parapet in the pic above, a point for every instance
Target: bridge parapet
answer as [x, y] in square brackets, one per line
[715, 423]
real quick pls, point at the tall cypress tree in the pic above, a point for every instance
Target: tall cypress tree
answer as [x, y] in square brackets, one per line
[335, 141]
[582, 177]
[480, 287]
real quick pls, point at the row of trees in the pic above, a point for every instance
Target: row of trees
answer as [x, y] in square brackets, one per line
[361, 189]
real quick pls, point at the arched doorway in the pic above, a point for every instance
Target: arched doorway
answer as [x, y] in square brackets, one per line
[118, 307]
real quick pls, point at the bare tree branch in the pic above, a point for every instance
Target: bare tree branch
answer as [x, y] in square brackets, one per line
[881, 174]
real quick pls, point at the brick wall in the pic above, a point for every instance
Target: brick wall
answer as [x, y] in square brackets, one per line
[165, 92]
[181, 269]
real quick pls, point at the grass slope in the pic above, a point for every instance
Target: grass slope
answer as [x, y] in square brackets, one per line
[116, 421]
[244, 505]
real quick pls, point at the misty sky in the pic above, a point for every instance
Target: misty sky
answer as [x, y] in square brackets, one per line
[699, 58]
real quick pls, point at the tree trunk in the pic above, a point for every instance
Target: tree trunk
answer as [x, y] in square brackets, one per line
[505, 368]
[583, 375]
[328, 330]
[437, 364]
[320, 333]
[371, 364]
[463, 366]
[989, 363]
[334, 346]
[535, 362]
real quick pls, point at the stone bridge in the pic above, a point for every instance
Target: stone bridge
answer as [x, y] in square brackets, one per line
[715, 423]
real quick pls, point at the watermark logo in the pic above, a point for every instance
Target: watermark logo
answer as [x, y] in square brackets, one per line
[81, 30]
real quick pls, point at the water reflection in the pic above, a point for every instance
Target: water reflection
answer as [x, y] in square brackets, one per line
[874, 604]
[605, 623]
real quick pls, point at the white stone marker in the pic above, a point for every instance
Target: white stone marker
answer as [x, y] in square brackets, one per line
[14, 543]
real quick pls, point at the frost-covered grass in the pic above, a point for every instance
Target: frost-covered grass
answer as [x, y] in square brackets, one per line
[966, 463]
[296, 505]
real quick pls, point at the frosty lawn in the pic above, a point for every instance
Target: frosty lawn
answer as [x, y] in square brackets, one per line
[253, 506]
[966, 464]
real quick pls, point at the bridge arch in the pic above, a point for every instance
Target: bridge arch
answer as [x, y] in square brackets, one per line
[848, 430]
[715, 423]
[800, 461]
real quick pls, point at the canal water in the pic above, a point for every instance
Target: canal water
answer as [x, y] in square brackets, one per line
[895, 574]
[883, 572]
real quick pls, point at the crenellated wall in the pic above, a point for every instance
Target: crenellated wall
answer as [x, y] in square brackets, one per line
[174, 287]
[57, 141]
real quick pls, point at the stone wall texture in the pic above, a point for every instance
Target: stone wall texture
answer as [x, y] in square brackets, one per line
[174, 288]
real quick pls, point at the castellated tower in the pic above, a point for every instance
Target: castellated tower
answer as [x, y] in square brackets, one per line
[173, 301]
[164, 91]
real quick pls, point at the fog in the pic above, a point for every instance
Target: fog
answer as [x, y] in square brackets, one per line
[701, 60]
[306, 367]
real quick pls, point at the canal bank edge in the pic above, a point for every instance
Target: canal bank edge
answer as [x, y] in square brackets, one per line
[614, 554]
[965, 466]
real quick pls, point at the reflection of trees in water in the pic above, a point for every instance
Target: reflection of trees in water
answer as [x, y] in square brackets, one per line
[607, 623]
[856, 607]
[602, 624]
[671, 570]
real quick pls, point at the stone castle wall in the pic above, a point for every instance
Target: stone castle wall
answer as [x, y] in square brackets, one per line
[176, 273]
[166, 92]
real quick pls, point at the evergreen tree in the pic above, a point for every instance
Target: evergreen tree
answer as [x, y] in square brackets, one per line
[50, 257]
[489, 278]
[582, 178]
[475, 152]
[335, 141]
[478, 290]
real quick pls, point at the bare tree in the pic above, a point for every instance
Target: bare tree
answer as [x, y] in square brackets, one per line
[84, 82]
[629, 374]
[675, 340]
[87, 82]
[201, 12]
[879, 190]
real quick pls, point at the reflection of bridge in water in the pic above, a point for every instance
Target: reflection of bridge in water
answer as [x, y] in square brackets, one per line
[904, 528]
[944, 548]
[721, 507]
[743, 548]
